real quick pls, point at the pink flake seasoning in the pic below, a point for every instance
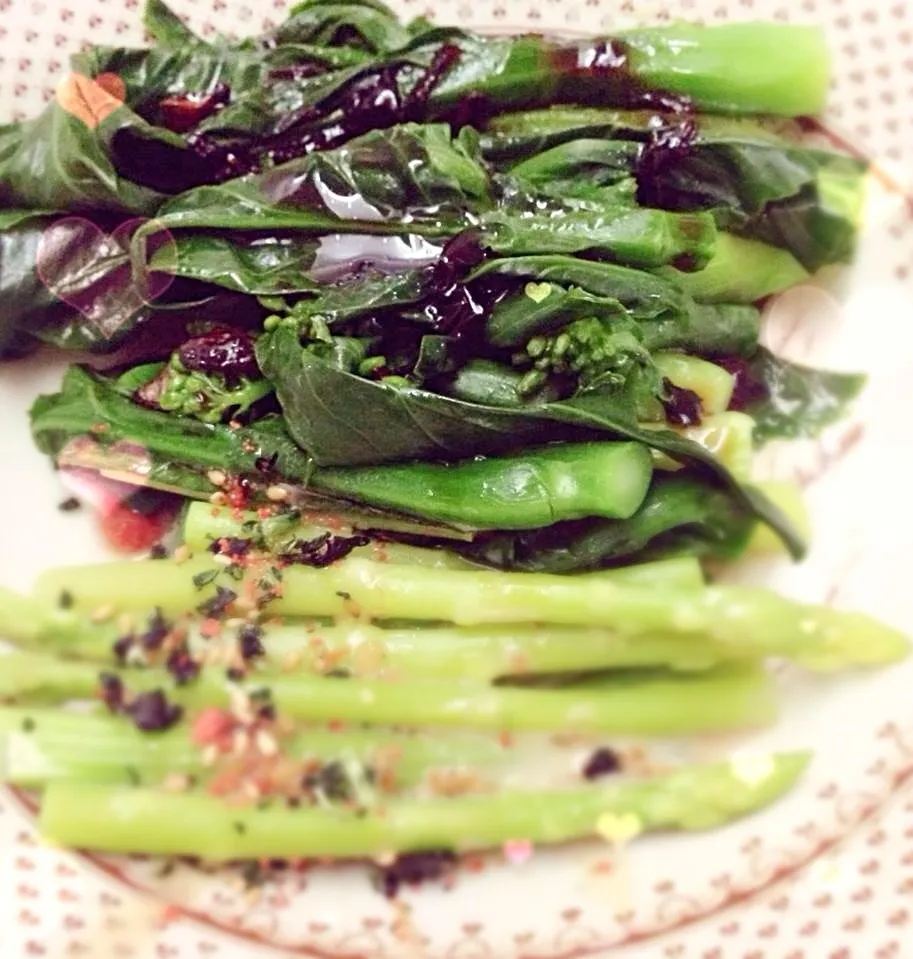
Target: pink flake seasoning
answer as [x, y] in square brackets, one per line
[517, 851]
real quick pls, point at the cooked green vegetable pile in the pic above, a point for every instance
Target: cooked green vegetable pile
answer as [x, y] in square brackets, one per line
[420, 322]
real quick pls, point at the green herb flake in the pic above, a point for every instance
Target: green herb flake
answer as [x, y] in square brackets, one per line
[28, 725]
[205, 578]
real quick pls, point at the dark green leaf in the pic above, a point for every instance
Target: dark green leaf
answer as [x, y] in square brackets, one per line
[680, 515]
[369, 26]
[267, 266]
[59, 161]
[165, 27]
[756, 177]
[397, 424]
[800, 401]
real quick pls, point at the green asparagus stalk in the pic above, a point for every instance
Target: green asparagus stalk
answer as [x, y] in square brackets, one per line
[38, 746]
[751, 617]
[113, 819]
[203, 525]
[377, 590]
[740, 271]
[730, 697]
[481, 653]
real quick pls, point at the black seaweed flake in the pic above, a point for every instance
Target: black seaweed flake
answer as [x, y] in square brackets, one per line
[121, 647]
[182, 666]
[111, 691]
[158, 551]
[233, 546]
[239, 828]
[69, 505]
[338, 673]
[65, 600]
[323, 550]
[151, 712]
[601, 762]
[216, 605]
[156, 632]
[250, 641]
[266, 712]
[414, 868]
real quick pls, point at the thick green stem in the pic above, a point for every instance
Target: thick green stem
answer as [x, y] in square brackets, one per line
[39, 746]
[731, 69]
[146, 821]
[740, 271]
[533, 489]
[377, 590]
[753, 618]
[652, 705]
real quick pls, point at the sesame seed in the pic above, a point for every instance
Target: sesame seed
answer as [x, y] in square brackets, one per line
[251, 789]
[291, 662]
[240, 742]
[277, 494]
[241, 706]
[125, 624]
[216, 477]
[210, 755]
[182, 554]
[102, 613]
[265, 743]
[218, 498]
[221, 560]
[176, 783]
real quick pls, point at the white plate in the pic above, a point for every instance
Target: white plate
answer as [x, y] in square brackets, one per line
[581, 900]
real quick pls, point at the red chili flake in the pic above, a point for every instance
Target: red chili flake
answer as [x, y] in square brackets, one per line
[210, 628]
[237, 493]
[212, 726]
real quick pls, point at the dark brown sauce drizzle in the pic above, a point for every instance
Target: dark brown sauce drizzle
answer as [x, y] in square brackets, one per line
[584, 74]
